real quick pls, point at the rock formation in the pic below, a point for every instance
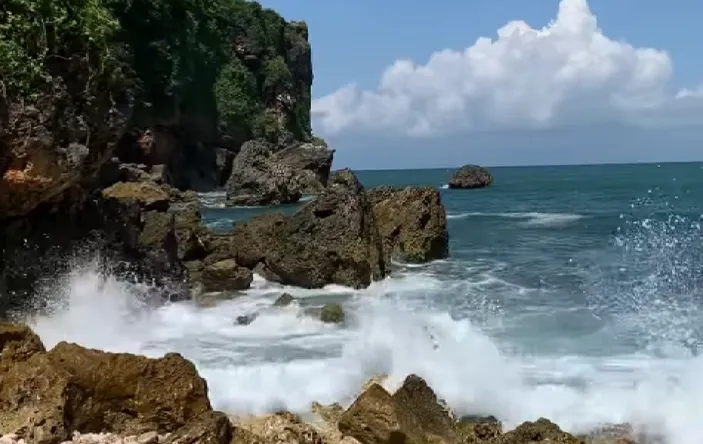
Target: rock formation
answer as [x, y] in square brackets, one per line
[471, 176]
[333, 239]
[412, 222]
[264, 174]
[71, 393]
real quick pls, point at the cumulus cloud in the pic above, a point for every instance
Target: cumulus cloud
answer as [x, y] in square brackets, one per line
[568, 72]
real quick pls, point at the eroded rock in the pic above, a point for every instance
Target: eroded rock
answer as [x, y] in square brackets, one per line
[412, 222]
[226, 275]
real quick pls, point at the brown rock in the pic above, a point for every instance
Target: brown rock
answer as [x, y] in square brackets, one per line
[210, 428]
[280, 428]
[147, 194]
[71, 388]
[478, 429]
[18, 343]
[333, 240]
[540, 431]
[412, 222]
[226, 275]
[411, 415]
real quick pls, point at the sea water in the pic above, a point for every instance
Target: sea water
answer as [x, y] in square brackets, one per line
[572, 293]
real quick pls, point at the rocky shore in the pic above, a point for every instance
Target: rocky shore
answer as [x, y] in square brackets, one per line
[74, 394]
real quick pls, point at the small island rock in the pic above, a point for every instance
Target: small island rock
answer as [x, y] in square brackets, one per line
[471, 176]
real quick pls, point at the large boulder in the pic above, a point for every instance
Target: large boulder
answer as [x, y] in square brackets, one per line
[332, 240]
[412, 222]
[471, 176]
[264, 174]
[50, 395]
[257, 180]
[310, 163]
[17, 343]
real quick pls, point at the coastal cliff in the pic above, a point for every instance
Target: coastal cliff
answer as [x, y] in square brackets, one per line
[101, 92]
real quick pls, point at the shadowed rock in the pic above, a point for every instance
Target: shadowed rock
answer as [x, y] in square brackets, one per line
[471, 176]
[412, 222]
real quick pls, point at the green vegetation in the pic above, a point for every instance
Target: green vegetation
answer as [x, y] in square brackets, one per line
[240, 67]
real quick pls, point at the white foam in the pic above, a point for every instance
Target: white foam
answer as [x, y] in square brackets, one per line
[532, 219]
[284, 359]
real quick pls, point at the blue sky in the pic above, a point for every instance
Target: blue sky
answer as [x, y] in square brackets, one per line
[509, 102]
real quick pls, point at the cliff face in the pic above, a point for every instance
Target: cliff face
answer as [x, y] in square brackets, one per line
[211, 82]
[176, 85]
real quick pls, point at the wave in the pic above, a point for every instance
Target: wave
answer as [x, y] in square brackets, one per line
[286, 359]
[533, 219]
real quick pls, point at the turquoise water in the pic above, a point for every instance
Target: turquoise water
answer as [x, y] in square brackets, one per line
[571, 292]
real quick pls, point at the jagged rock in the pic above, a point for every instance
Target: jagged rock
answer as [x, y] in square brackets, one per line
[284, 300]
[282, 427]
[412, 415]
[471, 176]
[412, 222]
[210, 428]
[258, 180]
[70, 388]
[333, 240]
[540, 431]
[310, 163]
[478, 429]
[263, 174]
[332, 314]
[17, 343]
[226, 275]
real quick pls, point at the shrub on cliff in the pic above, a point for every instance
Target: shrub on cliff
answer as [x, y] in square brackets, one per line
[220, 67]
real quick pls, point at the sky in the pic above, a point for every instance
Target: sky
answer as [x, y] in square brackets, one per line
[410, 84]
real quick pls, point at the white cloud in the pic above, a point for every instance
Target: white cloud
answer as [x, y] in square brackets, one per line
[565, 73]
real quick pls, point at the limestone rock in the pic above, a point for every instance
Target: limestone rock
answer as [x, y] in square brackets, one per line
[210, 428]
[412, 415]
[540, 431]
[471, 176]
[147, 194]
[226, 275]
[333, 240]
[18, 343]
[71, 388]
[412, 222]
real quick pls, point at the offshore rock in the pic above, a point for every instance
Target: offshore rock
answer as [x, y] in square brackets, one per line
[471, 176]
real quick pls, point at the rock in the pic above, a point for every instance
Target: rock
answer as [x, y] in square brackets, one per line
[257, 180]
[332, 314]
[226, 275]
[471, 176]
[284, 300]
[77, 389]
[246, 319]
[263, 174]
[411, 415]
[282, 427]
[147, 194]
[310, 163]
[17, 343]
[333, 240]
[210, 428]
[540, 431]
[478, 429]
[412, 222]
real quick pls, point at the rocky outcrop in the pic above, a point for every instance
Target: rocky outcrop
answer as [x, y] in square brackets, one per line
[74, 389]
[471, 176]
[333, 240]
[412, 222]
[263, 174]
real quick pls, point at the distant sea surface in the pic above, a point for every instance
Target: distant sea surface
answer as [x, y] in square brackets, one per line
[573, 293]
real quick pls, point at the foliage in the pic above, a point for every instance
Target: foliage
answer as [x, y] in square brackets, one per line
[35, 33]
[224, 61]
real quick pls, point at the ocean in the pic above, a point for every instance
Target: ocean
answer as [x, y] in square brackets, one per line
[572, 293]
